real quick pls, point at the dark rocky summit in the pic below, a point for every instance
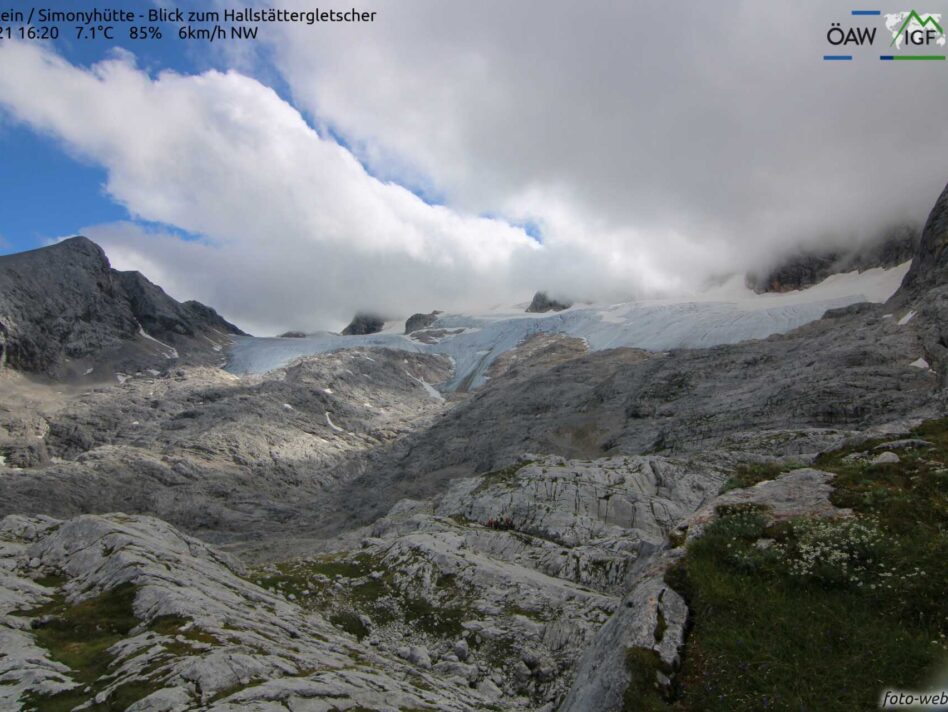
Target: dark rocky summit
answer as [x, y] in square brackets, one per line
[292, 335]
[416, 322]
[811, 267]
[363, 323]
[542, 303]
[925, 288]
[64, 311]
[930, 266]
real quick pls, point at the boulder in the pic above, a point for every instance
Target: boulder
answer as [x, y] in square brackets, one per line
[885, 458]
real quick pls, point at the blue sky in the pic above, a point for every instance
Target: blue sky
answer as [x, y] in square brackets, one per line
[49, 193]
[46, 193]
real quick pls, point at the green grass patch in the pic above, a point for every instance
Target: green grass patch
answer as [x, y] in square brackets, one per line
[644, 694]
[819, 615]
[504, 474]
[514, 609]
[174, 626]
[52, 580]
[379, 596]
[79, 636]
[349, 622]
[441, 621]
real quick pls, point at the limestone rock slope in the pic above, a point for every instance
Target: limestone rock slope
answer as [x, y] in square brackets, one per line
[801, 392]
[64, 312]
[525, 564]
[149, 619]
[482, 598]
[219, 455]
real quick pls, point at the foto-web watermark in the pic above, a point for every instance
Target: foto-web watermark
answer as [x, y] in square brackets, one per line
[902, 699]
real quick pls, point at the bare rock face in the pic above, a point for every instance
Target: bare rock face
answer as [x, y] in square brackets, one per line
[63, 308]
[542, 303]
[505, 578]
[163, 317]
[416, 322]
[922, 299]
[362, 324]
[930, 266]
[812, 267]
[210, 452]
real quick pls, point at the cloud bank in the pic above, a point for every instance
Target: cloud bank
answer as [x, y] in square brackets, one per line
[655, 145]
[717, 122]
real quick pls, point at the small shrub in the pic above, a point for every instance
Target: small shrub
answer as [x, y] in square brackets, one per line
[349, 622]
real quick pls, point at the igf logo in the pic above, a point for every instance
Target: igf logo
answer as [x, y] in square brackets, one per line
[913, 29]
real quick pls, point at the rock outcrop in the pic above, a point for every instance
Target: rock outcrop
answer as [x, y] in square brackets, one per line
[811, 267]
[601, 674]
[923, 297]
[542, 303]
[524, 565]
[363, 323]
[293, 335]
[416, 322]
[65, 312]
[930, 266]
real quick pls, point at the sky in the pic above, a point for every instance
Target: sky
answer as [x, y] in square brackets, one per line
[458, 156]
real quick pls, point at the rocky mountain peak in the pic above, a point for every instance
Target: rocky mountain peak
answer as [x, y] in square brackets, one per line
[810, 267]
[364, 323]
[930, 265]
[103, 318]
[419, 321]
[543, 303]
[77, 245]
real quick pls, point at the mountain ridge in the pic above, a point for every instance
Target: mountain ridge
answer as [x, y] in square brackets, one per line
[65, 310]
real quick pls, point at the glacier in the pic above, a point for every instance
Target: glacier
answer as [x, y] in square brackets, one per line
[727, 314]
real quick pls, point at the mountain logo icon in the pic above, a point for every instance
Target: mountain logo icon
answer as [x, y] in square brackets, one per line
[929, 20]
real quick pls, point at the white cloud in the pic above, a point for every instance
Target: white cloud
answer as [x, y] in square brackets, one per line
[654, 153]
[297, 233]
[717, 123]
